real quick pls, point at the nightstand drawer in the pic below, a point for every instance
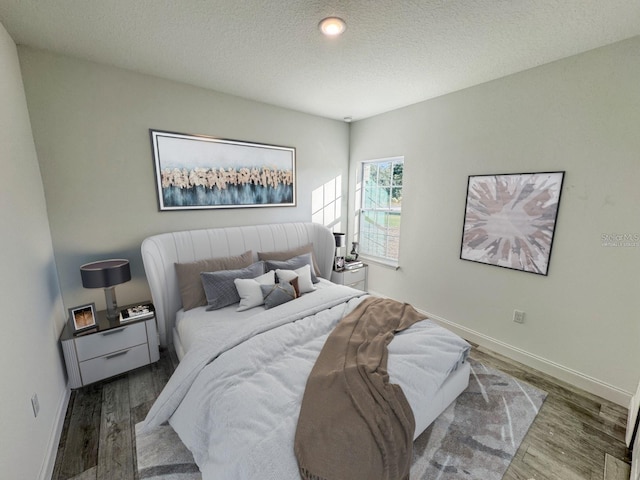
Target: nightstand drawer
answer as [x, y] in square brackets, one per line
[102, 343]
[114, 363]
[354, 276]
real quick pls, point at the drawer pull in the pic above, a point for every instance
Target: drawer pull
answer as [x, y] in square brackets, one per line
[111, 332]
[113, 355]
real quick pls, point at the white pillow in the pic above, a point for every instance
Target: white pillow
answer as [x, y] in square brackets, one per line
[305, 284]
[250, 292]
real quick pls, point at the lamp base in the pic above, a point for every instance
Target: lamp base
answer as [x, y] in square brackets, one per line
[112, 304]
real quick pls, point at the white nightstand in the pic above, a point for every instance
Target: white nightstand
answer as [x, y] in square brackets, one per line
[111, 349]
[356, 278]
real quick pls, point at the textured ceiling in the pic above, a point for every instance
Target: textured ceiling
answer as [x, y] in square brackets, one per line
[393, 53]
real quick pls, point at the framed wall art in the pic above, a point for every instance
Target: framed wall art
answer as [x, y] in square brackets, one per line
[83, 317]
[510, 220]
[200, 172]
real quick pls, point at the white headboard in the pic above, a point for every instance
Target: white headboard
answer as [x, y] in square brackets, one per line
[161, 252]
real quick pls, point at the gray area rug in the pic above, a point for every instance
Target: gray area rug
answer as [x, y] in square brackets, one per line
[475, 438]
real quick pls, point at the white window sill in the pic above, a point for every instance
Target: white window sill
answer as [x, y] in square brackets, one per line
[383, 262]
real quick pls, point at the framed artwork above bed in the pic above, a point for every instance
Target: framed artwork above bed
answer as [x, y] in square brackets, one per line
[510, 220]
[201, 172]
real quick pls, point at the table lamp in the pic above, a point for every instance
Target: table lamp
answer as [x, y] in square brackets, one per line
[341, 241]
[106, 274]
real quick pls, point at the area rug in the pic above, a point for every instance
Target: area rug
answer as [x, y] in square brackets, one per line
[475, 438]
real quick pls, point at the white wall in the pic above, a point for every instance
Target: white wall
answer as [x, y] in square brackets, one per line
[30, 300]
[91, 128]
[582, 115]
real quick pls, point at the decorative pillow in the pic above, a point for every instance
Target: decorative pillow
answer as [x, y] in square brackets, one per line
[189, 281]
[219, 287]
[294, 252]
[303, 274]
[249, 290]
[294, 284]
[292, 264]
[277, 294]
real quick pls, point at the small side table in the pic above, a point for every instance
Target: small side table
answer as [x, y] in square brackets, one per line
[110, 349]
[356, 278]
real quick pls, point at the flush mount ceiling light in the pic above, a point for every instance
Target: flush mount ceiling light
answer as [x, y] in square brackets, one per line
[332, 26]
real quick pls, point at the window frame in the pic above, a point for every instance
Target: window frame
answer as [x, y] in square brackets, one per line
[361, 210]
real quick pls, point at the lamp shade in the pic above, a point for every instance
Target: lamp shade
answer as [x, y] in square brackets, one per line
[105, 273]
[340, 239]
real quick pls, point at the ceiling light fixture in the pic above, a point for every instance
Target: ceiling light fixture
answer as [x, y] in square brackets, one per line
[332, 26]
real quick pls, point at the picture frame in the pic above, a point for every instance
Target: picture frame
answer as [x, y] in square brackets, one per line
[510, 220]
[202, 172]
[83, 317]
[338, 263]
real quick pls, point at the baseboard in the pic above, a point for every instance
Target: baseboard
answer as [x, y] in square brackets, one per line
[573, 377]
[49, 462]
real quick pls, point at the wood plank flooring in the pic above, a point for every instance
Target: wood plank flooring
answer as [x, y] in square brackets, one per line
[576, 435]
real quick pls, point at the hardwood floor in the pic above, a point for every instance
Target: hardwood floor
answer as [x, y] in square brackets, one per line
[576, 435]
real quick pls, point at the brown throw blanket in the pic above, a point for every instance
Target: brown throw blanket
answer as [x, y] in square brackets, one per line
[353, 423]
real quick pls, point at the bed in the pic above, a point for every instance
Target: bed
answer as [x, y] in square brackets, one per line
[235, 396]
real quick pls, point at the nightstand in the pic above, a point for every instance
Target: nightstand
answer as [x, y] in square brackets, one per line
[356, 278]
[108, 350]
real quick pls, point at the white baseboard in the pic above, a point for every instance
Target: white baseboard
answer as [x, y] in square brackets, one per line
[46, 472]
[573, 377]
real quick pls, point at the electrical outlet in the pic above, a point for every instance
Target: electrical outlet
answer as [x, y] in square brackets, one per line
[518, 316]
[35, 404]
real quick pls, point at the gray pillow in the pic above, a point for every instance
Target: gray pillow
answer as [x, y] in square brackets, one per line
[293, 264]
[277, 294]
[294, 252]
[190, 284]
[219, 287]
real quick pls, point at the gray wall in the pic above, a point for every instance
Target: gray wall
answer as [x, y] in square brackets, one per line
[90, 125]
[32, 311]
[582, 115]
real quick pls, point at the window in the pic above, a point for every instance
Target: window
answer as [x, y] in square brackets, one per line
[380, 209]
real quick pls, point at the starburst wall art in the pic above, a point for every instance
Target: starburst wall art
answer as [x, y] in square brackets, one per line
[510, 220]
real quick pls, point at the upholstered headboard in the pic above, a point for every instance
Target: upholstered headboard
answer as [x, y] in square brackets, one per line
[161, 252]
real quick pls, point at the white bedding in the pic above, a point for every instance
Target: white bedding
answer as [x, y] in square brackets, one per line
[191, 324]
[235, 397]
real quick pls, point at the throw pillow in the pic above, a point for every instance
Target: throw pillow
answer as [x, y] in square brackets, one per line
[250, 292]
[277, 294]
[292, 264]
[294, 252]
[303, 274]
[219, 287]
[190, 284]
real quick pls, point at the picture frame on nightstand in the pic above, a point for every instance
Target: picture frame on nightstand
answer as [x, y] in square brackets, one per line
[83, 317]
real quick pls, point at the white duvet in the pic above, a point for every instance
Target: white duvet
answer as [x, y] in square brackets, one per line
[234, 399]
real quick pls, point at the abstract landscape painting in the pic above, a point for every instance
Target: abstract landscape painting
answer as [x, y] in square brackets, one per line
[510, 220]
[197, 172]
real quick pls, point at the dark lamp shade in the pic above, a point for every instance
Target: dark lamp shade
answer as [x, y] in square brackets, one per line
[105, 273]
[340, 239]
